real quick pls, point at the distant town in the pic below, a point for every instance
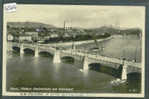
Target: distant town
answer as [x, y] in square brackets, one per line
[43, 33]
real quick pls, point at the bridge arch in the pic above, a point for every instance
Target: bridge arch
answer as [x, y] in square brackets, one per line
[46, 50]
[68, 59]
[134, 80]
[103, 68]
[45, 54]
[16, 48]
[134, 76]
[28, 50]
[94, 66]
[134, 73]
[65, 55]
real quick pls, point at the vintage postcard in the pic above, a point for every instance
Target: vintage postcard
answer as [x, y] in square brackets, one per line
[73, 50]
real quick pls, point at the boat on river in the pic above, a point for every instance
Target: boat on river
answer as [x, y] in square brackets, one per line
[117, 82]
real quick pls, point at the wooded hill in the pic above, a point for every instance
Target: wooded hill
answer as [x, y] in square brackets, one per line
[45, 29]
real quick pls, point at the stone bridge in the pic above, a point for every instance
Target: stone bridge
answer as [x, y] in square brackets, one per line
[87, 58]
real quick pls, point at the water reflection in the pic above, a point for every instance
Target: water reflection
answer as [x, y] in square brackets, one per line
[21, 56]
[85, 73]
[56, 74]
[85, 77]
[56, 67]
[36, 67]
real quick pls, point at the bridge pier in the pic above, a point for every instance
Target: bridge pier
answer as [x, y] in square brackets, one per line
[124, 71]
[57, 58]
[9, 48]
[74, 47]
[36, 54]
[85, 63]
[21, 49]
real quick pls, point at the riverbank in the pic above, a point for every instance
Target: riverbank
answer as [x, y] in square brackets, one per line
[78, 42]
[67, 44]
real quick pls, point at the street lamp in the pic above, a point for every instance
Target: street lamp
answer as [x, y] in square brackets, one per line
[37, 30]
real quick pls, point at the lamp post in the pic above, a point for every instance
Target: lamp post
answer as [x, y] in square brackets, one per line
[37, 30]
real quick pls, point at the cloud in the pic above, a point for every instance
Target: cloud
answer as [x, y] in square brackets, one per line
[81, 16]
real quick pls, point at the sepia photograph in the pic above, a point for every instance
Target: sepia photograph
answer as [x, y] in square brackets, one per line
[74, 50]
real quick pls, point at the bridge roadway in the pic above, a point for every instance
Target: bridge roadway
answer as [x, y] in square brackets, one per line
[101, 58]
[76, 52]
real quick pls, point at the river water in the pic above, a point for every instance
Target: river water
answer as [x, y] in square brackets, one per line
[128, 47]
[25, 72]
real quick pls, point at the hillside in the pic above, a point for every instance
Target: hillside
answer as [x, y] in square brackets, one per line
[112, 30]
[48, 29]
[29, 25]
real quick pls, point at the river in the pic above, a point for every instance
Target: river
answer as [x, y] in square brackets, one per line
[29, 72]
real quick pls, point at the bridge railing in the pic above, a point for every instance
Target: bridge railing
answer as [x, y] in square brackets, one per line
[103, 58]
[83, 53]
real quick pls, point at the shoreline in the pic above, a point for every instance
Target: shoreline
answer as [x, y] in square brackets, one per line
[78, 42]
[67, 44]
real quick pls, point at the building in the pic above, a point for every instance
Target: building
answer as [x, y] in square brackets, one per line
[53, 35]
[10, 37]
[66, 35]
[25, 38]
[46, 38]
[31, 33]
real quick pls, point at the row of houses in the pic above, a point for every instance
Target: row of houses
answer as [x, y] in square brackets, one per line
[31, 36]
[10, 37]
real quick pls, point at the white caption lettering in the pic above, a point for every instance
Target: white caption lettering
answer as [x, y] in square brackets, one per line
[10, 7]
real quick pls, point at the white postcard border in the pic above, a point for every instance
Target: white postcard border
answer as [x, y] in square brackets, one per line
[6, 93]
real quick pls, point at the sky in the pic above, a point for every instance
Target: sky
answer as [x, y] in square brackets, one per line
[80, 15]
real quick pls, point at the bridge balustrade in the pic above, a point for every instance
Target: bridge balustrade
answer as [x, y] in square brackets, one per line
[80, 52]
